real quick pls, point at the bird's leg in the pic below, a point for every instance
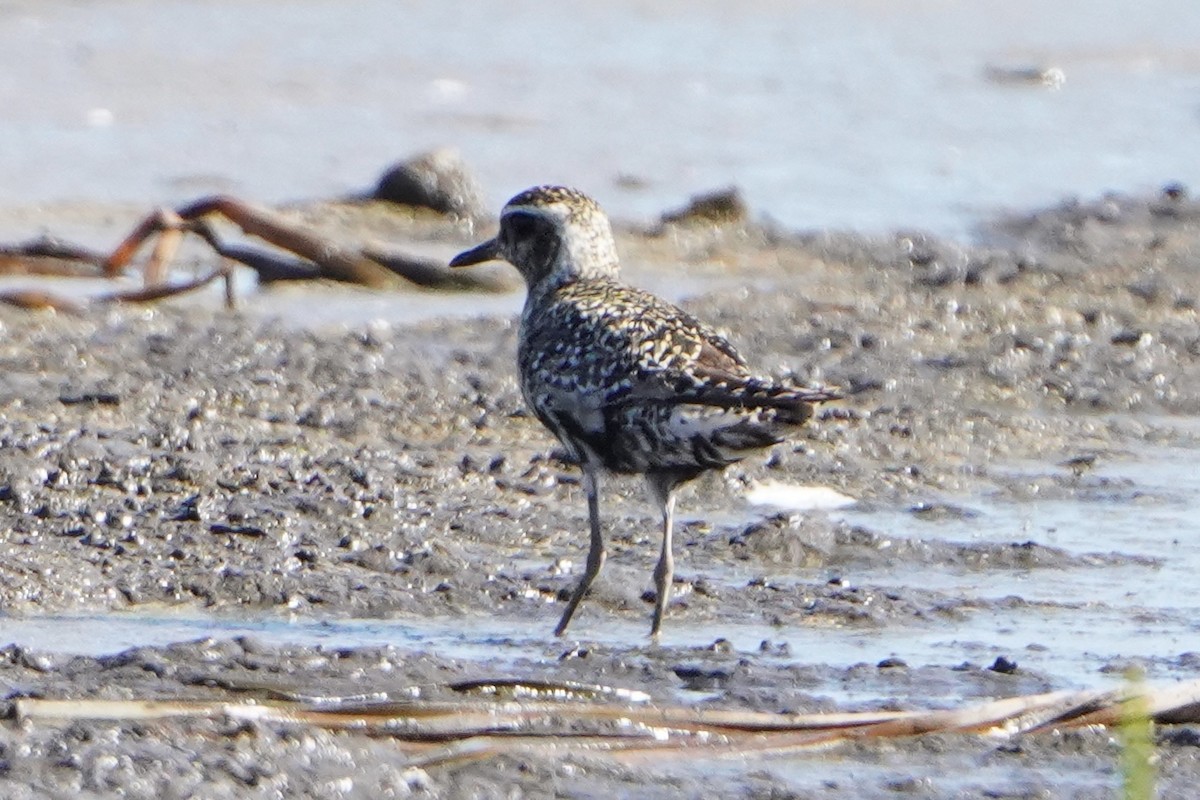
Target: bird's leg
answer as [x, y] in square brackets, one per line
[596, 554]
[665, 569]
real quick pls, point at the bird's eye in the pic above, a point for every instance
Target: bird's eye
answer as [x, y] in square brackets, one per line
[522, 226]
[530, 240]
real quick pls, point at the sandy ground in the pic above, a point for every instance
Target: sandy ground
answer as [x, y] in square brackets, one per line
[186, 456]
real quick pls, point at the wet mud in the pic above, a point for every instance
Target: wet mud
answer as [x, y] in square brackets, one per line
[187, 458]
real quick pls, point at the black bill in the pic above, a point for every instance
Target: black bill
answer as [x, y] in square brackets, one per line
[488, 251]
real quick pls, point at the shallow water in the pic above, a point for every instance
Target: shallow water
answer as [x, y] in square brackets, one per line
[1071, 628]
[862, 115]
[1075, 625]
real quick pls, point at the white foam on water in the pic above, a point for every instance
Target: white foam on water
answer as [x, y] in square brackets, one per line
[793, 497]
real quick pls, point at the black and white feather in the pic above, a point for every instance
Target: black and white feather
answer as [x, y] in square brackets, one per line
[628, 382]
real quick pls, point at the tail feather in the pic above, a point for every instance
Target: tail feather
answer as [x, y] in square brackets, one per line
[757, 394]
[728, 393]
[701, 427]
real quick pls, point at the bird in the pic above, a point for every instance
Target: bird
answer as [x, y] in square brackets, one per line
[628, 382]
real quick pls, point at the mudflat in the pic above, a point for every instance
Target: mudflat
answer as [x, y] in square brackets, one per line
[180, 459]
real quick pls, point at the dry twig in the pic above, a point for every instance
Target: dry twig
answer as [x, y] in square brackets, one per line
[617, 726]
[302, 255]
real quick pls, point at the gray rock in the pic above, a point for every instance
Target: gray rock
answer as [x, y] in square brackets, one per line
[439, 180]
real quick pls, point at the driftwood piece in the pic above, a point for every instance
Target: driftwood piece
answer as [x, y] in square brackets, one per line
[37, 300]
[152, 292]
[49, 256]
[602, 721]
[332, 261]
[431, 274]
[302, 255]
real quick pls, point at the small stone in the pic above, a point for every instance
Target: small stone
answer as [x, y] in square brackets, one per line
[437, 180]
[698, 678]
[1003, 665]
[721, 207]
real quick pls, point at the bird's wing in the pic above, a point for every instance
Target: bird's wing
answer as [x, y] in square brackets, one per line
[701, 367]
[614, 345]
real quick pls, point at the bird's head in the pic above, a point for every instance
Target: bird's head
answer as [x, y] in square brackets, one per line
[552, 235]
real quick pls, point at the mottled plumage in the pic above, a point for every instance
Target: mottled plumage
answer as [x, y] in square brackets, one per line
[628, 382]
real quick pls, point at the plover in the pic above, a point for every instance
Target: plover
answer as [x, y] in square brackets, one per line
[628, 382]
